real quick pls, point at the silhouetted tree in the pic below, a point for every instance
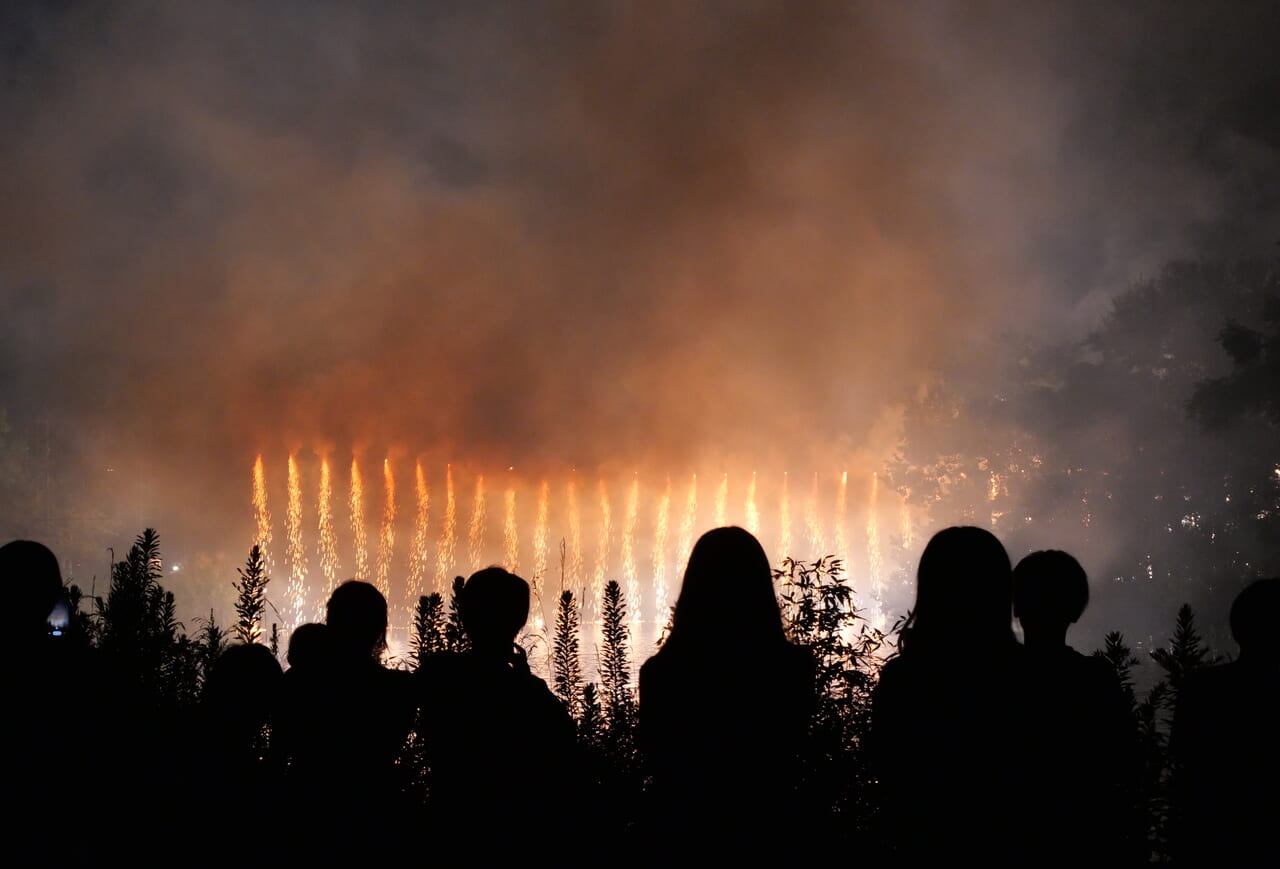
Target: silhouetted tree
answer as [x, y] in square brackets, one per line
[455, 638]
[428, 628]
[566, 660]
[251, 601]
[1117, 653]
[211, 640]
[591, 722]
[1186, 652]
[615, 668]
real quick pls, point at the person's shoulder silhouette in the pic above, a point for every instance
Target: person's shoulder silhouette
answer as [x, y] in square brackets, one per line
[54, 698]
[489, 726]
[1079, 734]
[725, 706]
[945, 711]
[1225, 743]
[342, 722]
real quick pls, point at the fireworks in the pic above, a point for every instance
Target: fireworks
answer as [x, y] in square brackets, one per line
[645, 539]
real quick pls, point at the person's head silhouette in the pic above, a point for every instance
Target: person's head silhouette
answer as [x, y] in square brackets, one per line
[964, 593]
[1255, 616]
[1050, 592]
[242, 687]
[31, 583]
[493, 607]
[727, 594]
[308, 645]
[356, 616]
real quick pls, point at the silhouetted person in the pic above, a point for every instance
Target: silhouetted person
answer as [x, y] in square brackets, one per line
[1080, 736]
[725, 707]
[1226, 739]
[946, 737]
[499, 744]
[308, 646]
[340, 727]
[42, 720]
[234, 780]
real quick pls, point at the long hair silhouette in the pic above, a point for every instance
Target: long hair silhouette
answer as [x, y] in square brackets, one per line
[964, 592]
[726, 596]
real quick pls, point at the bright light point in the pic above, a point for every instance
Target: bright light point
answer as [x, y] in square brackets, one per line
[175, 568]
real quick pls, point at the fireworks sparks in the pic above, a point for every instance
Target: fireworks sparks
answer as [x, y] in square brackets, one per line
[660, 557]
[328, 537]
[510, 539]
[356, 505]
[263, 516]
[688, 520]
[418, 561]
[475, 532]
[659, 520]
[297, 553]
[448, 534]
[387, 532]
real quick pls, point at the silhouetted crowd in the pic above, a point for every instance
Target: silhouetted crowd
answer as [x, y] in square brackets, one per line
[983, 749]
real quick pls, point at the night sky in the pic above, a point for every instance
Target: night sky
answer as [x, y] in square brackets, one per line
[567, 234]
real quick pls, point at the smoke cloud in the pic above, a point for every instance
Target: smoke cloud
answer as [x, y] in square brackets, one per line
[581, 234]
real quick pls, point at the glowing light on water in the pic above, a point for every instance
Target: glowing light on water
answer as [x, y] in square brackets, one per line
[475, 533]
[418, 558]
[630, 519]
[752, 509]
[659, 559]
[510, 539]
[687, 523]
[784, 519]
[328, 537]
[448, 535]
[297, 553]
[261, 514]
[842, 518]
[356, 505]
[387, 533]
[813, 525]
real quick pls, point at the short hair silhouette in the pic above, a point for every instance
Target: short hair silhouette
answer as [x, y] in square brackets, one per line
[242, 684]
[1255, 619]
[357, 619]
[493, 606]
[30, 585]
[727, 591]
[1049, 588]
[308, 645]
[964, 591]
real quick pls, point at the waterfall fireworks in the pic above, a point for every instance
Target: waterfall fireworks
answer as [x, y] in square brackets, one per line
[655, 517]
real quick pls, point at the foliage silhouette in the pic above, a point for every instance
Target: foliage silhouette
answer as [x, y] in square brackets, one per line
[566, 657]
[251, 600]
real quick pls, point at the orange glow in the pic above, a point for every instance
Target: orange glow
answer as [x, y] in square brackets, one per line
[328, 537]
[387, 533]
[448, 535]
[475, 534]
[356, 505]
[297, 554]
